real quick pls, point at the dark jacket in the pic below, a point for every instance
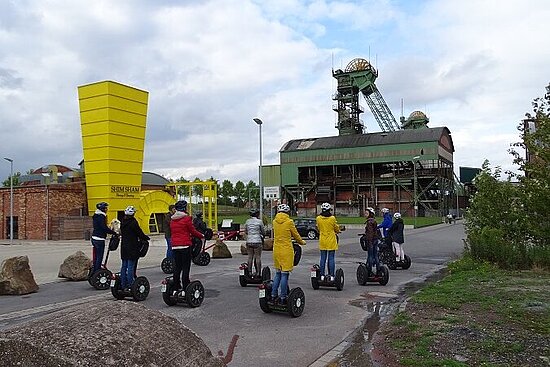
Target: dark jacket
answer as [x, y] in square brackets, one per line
[371, 231]
[101, 229]
[396, 231]
[131, 233]
[167, 230]
[200, 225]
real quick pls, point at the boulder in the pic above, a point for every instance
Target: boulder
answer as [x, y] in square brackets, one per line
[16, 276]
[104, 333]
[268, 244]
[75, 267]
[244, 250]
[220, 250]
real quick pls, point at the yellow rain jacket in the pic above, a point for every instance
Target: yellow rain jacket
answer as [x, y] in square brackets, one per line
[283, 252]
[328, 228]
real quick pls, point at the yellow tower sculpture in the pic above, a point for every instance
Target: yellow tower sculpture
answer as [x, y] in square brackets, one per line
[113, 119]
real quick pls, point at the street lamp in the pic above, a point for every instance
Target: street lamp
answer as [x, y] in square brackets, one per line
[415, 158]
[11, 199]
[259, 122]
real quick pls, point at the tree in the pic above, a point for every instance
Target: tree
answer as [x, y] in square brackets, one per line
[182, 190]
[239, 192]
[16, 180]
[197, 189]
[226, 192]
[253, 192]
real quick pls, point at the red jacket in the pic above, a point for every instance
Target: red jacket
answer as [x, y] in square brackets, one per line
[182, 229]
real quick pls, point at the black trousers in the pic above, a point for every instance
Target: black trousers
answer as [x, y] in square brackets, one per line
[182, 258]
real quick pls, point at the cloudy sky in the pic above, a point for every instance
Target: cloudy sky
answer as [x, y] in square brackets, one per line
[211, 66]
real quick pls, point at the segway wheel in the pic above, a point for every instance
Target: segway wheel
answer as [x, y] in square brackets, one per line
[339, 279]
[315, 277]
[264, 295]
[297, 253]
[101, 279]
[296, 302]
[385, 272]
[362, 274]
[406, 263]
[266, 273]
[167, 294]
[203, 259]
[116, 289]
[140, 289]
[167, 265]
[194, 294]
[242, 281]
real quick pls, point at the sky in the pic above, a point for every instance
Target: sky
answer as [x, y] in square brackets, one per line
[210, 67]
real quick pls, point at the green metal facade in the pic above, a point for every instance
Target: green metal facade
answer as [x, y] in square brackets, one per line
[292, 160]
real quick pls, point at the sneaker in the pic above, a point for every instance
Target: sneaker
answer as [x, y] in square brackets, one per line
[282, 301]
[322, 278]
[331, 278]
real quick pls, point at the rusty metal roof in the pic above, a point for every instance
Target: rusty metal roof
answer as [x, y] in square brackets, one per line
[361, 140]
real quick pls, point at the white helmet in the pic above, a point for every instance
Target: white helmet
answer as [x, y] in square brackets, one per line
[283, 208]
[370, 209]
[385, 210]
[397, 215]
[325, 207]
[130, 210]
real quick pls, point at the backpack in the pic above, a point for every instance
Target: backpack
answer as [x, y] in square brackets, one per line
[143, 247]
[113, 243]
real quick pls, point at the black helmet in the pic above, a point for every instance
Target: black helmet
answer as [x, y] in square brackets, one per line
[254, 212]
[181, 206]
[198, 214]
[102, 206]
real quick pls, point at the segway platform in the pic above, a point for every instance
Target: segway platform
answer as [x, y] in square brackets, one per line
[139, 290]
[316, 281]
[294, 305]
[245, 278]
[193, 295]
[364, 276]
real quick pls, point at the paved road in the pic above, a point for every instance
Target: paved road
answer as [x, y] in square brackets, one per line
[231, 313]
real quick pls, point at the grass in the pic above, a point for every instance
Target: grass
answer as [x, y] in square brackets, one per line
[478, 310]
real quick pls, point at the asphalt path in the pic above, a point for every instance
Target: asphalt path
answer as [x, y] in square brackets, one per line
[230, 320]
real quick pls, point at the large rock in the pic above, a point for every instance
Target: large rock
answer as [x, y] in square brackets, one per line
[220, 250]
[16, 276]
[105, 333]
[268, 244]
[75, 267]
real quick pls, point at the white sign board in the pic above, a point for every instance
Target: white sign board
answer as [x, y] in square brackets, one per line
[271, 193]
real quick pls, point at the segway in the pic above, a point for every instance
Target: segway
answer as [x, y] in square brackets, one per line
[246, 278]
[387, 256]
[316, 281]
[192, 295]
[101, 278]
[364, 275]
[198, 250]
[138, 291]
[296, 299]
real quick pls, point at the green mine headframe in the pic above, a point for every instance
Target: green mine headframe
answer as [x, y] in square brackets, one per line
[359, 77]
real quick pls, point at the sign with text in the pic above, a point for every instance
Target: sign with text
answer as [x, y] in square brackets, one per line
[271, 193]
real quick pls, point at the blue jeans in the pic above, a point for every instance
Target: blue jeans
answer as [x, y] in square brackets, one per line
[331, 265]
[169, 252]
[99, 249]
[127, 272]
[281, 279]
[372, 258]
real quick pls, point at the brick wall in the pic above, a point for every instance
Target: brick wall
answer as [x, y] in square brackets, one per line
[34, 206]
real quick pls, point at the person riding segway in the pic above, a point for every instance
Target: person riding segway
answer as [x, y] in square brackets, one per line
[167, 264]
[99, 275]
[398, 258]
[255, 231]
[372, 270]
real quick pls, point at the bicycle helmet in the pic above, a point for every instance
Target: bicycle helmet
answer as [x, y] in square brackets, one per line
[397, 215]
[385, 210]
[181, 206]
[254, 212]
[130, 210]
[370, 209]
[325, 207]
[283, 208]
[102, 206]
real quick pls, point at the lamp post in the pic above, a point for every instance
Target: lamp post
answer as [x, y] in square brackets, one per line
[415, 158]
[259, 122]
[11, 199]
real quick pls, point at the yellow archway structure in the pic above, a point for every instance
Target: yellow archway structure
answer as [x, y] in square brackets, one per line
[151, 208]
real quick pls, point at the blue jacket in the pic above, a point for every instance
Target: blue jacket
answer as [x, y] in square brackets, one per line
[100, 225]
[386, 223]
